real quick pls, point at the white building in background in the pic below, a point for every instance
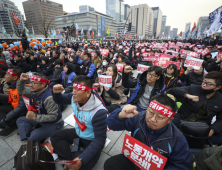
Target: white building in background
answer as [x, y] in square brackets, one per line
[157, 21]
[163, 24]
[142, 18]
[7, 8]
[85, 8]
[115, 9]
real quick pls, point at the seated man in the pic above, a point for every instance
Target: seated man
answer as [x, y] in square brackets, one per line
[148, 84]
[202, 103]
[43, 113]
[89, 111]
[154, 129]
[87, 67]
[12, 105]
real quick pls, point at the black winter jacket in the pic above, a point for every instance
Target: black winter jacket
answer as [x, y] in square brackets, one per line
[192, 78]
[213, 105]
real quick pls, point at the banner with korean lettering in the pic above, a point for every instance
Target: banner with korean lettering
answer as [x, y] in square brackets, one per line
[105, 80]
[184, 52]
[104, 52]
[141, 68]
[120, 67]
[162, 62]
[205, 52]
[174, 46]
[26, 101]
[192, 54]
[141, 155]
[176, 63]
[92, 54]
[194, 62]
[149, 58]
[69, 50]
[166, 55]
[219, 56]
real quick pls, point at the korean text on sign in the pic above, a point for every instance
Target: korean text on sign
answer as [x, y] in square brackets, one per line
[141, 68]
[120, 67]
[194, 62]
[141, 155]
[105, 80]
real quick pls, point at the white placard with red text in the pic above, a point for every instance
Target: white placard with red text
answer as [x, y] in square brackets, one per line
[105, 80]
[192, 54]
[219, 55]
[120, 67]
[142, 155]
[150, 58]
[141, 68]
[26, 101]
[104, 52]
[194, 62]
[162, 62]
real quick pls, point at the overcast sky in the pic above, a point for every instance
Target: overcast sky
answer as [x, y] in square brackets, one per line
[178, 12]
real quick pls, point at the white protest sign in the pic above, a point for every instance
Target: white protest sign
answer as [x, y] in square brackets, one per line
[194, 62]
[141, 68]
[105, 80]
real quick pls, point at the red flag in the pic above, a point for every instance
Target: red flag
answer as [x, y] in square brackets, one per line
[58, 31]
[117, 35]
[92, 35]
[77, 32]
[130, 36]
[16, 19]
[180, 34]
[194, 26]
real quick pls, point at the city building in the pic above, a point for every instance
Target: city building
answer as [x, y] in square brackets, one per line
[7, 8]
[188, 25]
[115, 9]
[142, 18]
[171, 34]
[175, 30]
[167, 31]
[126, 11]
[163, 24]
[100, 23]
[157, 21]
[85, 8]
[41, 15]
[203, 22]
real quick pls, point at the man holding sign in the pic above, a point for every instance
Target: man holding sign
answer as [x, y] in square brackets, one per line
[154, 129]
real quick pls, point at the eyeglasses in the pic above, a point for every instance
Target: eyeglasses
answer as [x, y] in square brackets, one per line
[151, 114]
[151, 75]
[32, 83]
[170, 68]
[208, 84]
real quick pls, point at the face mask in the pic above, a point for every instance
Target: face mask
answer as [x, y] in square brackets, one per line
[104, 63]
[169, 75]
[208, 91]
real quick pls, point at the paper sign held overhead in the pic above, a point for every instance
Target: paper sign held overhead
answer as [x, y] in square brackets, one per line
[194, 62]
[141, 68]
[120, 67]
[142, 155]
[105, 80]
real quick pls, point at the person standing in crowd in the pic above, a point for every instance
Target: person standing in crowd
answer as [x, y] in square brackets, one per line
[154, 129]
[89, 112]
[25, 43]
[44, 115]
[150, 83]
[202, 103]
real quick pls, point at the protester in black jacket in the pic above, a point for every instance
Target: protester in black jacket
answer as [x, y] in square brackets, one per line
[20, 63]
[215, 66]
[202, 103]
[41, 68]
[25, 43]
[55, 56]
[193, 77]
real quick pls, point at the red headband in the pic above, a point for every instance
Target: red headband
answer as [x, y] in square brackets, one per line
[3, 63]
[11, 73]
[161, 109]
[81, 87]
[39, 79]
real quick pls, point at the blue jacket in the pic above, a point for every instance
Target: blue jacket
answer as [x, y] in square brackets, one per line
[91, 70]
[94, 116]
[172, 144]
[69, 80]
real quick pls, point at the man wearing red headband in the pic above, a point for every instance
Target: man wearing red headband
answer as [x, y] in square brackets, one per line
[44, 115]
[154, 128]
[90, 127]
[12, 105]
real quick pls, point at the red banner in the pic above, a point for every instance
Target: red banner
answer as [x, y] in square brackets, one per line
[104, 52]
[176, 63]
[184, 52]
[205, 52]
[192, 54]
[219, 55]
[142, 155]
[120, 67]
[162, 62]
[166, 55]
[150, 58]
[174, 46]
[143, 50]
[16, 19]
[92, 54]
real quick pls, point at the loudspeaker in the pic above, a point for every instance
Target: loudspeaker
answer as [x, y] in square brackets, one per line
[129, 27]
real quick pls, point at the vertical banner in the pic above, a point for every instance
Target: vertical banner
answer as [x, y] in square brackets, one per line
[99, 25]
[103, 26]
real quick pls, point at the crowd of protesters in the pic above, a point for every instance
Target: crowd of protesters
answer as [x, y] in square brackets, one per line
[58, 74]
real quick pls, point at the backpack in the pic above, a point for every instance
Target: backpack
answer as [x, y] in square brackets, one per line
[28, 157]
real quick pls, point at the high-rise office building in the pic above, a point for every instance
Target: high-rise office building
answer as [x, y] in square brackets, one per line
[115, 9]
[41, 14]
[157, 21]
[126, 11]
[171, 34]
[188, 25]
[175, 30]
[142, 18]
[167, 31]
[85, 8]
[163, 24]
[204, 21]
[7, 8]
